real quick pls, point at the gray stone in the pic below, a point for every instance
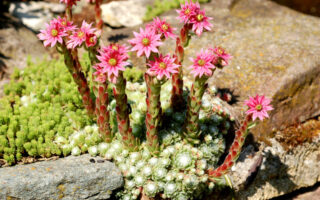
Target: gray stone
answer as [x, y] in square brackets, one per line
[281, 172]
[124, 13]
[65, 178]
[33, 14]
[17, 44]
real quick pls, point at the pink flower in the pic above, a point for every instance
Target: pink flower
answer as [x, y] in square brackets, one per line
[69, 2]
[258, 107]
[99, 75]
[202, 64]
[145, 42]
[222, 55]
[200, 22]
[65, 24]
[162, 27]
[188, 10]
[111, 62]
[162, 66]
[52, 34]
[80, 35]
[91, 40]
[121, 49]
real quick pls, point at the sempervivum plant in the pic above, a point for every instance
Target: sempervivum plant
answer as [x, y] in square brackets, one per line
[166, 141]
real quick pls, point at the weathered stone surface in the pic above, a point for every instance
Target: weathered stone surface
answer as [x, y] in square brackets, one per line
[66, 178]
[34, 14]
[17, 43]
[281, 172]
[124, 13]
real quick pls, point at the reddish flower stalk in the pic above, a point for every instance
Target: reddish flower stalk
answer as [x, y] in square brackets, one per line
[122, 110]
[99, 22]
[202, 69]
[234, 151]
[177, 101]
[102, 112]
[258, 107]
[72, 62]
[153, 112]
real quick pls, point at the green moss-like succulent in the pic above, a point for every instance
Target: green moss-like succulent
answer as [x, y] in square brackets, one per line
[161, 6]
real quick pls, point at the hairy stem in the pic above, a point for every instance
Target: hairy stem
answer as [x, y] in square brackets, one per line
[102, 112]
[72, 62]
[122, 109]
[99, 22]
[234, 150]
[154, 111]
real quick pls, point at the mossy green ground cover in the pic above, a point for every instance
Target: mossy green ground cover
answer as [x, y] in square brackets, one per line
[41, 115]
[161, 6]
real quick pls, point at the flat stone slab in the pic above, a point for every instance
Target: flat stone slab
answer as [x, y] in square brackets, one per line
[66, 178]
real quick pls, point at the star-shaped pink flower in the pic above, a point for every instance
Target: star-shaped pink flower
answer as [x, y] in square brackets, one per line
[222, 55]
[188, 10]
[52, 34]
[162, 66]
[200, 22]
[202, 64]
[162, 27]
[145, 42]
[111, 63]
[80, 36]
[258, 107]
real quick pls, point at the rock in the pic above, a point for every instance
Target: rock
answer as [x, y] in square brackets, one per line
[34, 14]
[17, 44]
[124, 13]
[65, 178]
[280, 172]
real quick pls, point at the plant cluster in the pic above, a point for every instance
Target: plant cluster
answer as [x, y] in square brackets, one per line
[166, 141]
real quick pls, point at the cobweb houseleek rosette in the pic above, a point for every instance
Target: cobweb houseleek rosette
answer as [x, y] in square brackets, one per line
[258, 108]
[202, 69]
[160, 70]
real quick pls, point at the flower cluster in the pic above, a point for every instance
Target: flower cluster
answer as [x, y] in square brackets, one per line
[191, 14]
[180, 142]
[60, 30]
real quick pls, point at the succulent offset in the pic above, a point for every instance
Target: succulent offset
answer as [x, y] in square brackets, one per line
[166, 142]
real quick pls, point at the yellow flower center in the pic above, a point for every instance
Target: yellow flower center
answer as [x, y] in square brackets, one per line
[145, 41]
[54, 32]
[64, 23]
[187, 11]
[114, 47]
[201, 62]
[199, 18]
[259, 107]
[165, 27]
[91, 40]
[80, 34]
[162, 65]
[220, 51]
[112, 61]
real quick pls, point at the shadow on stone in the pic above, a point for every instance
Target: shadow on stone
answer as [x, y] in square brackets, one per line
[117, 37]
[310, 7]
[3, 66]
[267, 169]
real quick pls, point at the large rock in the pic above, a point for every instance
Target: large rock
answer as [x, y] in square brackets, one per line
[34, 14]
[17, 44]
[276, 52]
[279, 173]
[66, 178]
[124, 13]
